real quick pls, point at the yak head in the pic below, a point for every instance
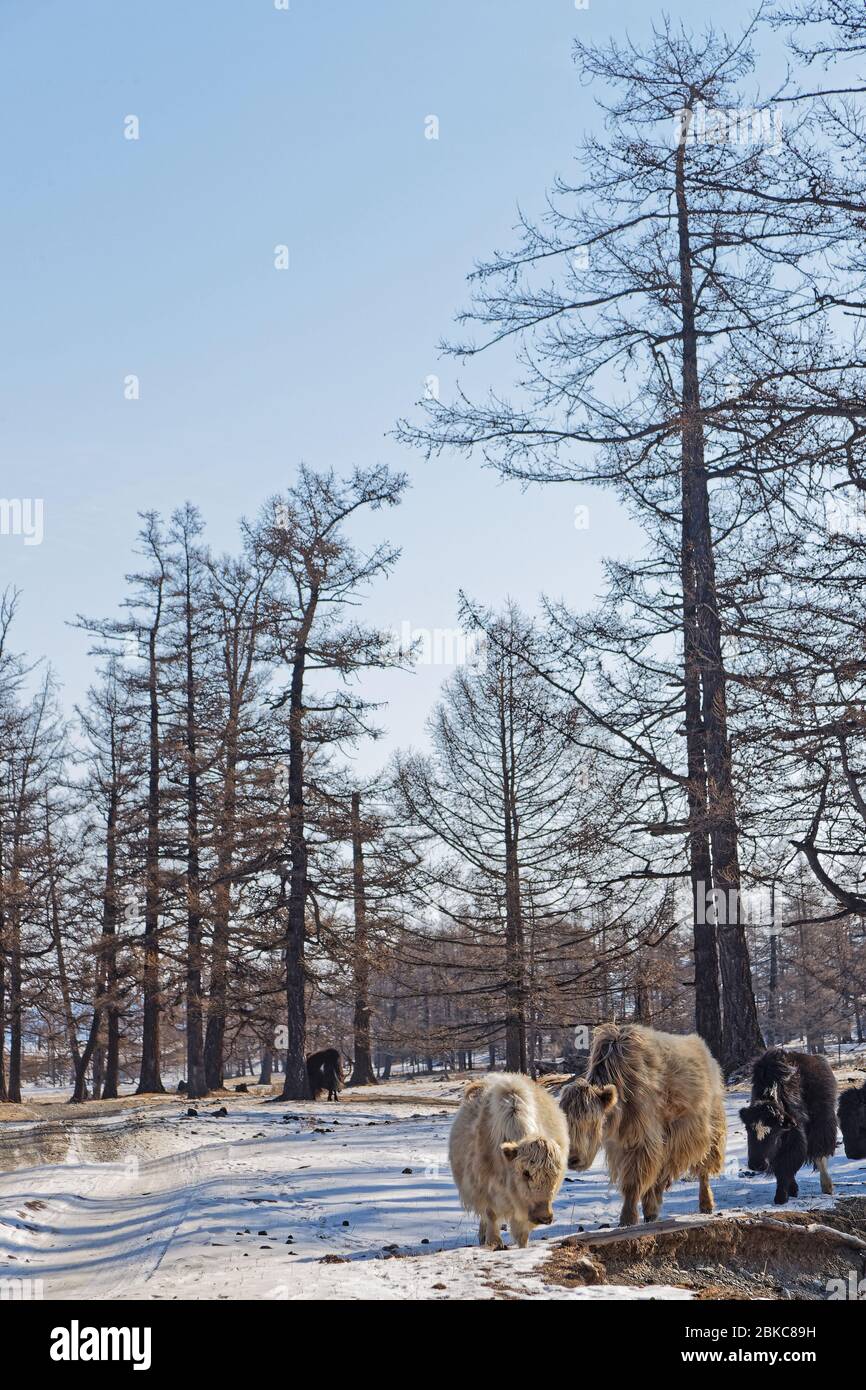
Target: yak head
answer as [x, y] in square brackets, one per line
[536, 1169]
[766, 1123]
[586, 1107]
[852, 1121]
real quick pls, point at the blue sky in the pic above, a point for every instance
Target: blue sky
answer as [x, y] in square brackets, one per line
[155, 257]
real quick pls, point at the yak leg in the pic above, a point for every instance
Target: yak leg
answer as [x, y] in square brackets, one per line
[520, 1230]
[630, 1194]
[826, 1180]
[640, 1173]
[705, 1195]
[651, 1201]
[488, 1231]
[785, 1188]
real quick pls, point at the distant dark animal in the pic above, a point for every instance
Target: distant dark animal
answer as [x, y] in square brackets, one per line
[181, 1088]
[791, 1118]
[325, 1073]
[243, 1087]
[852, 1121]
[656, 1103]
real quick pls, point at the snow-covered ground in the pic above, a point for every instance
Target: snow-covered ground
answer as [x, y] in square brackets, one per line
[282, 1201]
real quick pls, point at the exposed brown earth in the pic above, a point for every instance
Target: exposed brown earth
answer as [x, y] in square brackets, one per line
[760, 1255]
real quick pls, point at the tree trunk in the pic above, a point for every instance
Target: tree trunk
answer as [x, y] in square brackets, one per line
[267, 1066]
[4, 1092]
[708, 1010]
[62, 973]
[741, 1034]
[63, 980]
[79, 1093]
[389, 1055]
[98, 1069]
[15, 1030]
[296, 1086]
[363, 1073]
[195, 1072]
[112, 1050]
[103, 963]
[110, 914]
[515, 1016]
[216, 1014]
[773, 983]
[149, 1078]
[15, 1020]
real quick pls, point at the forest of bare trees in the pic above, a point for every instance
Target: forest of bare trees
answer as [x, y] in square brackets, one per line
[648, 803]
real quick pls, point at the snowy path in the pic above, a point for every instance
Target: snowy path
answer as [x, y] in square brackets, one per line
[146, 1203]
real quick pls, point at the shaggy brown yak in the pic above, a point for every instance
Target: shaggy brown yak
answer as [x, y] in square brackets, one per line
[656, 1102]
[508, 1151]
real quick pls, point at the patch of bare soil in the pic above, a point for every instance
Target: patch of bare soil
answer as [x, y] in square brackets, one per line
[57, 1107]
[376, 1095]
[370, 1093]
[744, 1256]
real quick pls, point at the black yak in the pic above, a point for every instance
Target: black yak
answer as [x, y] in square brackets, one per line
[852, 1121]
[325, 1072]
[791, 1118]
